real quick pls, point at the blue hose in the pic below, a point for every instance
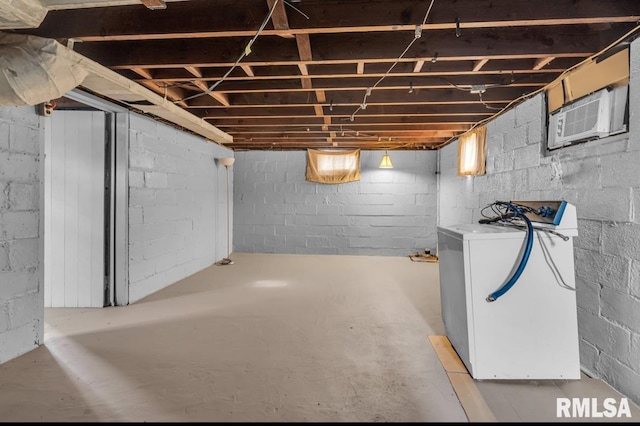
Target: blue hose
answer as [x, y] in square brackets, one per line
[523, 262]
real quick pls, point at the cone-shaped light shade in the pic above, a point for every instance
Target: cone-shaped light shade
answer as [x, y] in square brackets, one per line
[386, 162]
[227, 161]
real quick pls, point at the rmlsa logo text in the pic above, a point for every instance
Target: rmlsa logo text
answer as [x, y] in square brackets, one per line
[589, 407]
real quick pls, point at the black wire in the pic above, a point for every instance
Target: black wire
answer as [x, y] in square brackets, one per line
[504, 211]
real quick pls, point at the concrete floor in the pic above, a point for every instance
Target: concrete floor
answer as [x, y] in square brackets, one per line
[274, 338]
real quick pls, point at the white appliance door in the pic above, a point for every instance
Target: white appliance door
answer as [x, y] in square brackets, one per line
[531, 332]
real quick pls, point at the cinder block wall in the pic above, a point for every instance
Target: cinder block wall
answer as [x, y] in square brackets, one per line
[177, 205]
[21, 273]
[389, 212]
[602, 178]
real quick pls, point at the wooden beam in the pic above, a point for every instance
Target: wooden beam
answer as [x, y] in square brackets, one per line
[389, 128]
[508, 43]
[350, 134]
[542, 62]
[195, 71]
[444, 69]
[479, 64]
[306, 84]
[360, 69]
[319, 108]
[248, 70]
[361, 120]
[296, 133]
[390, 83]
[319, 144]
[171, 93]
[303, 69]
[220, 97]
[120, 23]
[380, 97]
[343, 111]
[304, 47]
[154, 4]
[320, 96]
[143, 72]
[279, 18]
[418, 66]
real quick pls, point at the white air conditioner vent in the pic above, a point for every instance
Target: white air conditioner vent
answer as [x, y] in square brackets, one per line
[590, 117]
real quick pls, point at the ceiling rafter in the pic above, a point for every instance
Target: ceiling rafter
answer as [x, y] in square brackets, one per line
[154, 4]
[248, 70]
[279, 18]
[477, 66]
[220, 97]
[304, 51]
[308, 70]
[171, 93]
[331, 49]
[231, 19]
[543, 62]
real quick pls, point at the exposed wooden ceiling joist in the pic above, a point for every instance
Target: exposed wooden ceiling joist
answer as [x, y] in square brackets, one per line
[505, 43]
[171, 93]
[279, 18]
[230, 18]
[154, 4]
[310, 67]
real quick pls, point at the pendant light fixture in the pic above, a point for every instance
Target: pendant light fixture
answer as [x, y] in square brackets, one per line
[385, 163]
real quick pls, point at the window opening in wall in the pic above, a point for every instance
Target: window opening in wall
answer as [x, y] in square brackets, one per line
[471, 152]
[333, 166]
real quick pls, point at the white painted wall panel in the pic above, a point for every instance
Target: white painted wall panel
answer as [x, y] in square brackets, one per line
[75, 205]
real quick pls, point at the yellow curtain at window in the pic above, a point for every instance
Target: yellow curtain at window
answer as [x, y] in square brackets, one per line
[472, 152]
[333, 166]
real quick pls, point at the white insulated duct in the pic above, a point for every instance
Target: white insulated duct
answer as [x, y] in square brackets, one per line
[36, 70]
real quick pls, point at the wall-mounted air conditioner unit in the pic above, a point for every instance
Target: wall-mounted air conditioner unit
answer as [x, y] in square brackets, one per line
[595, 116]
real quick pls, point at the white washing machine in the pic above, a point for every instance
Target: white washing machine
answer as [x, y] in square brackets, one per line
[530, 332]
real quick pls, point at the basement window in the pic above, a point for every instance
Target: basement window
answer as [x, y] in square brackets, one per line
[333, 166]
[471, 152]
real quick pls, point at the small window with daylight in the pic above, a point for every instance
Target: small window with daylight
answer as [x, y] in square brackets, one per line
[333, 166]
[471, 152]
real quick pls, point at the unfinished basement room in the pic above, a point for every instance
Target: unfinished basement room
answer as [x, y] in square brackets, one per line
[319, 211]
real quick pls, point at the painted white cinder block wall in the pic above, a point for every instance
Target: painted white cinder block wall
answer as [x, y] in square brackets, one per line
[21, 243]
[602, 179]
[177, 205]
[389, 212]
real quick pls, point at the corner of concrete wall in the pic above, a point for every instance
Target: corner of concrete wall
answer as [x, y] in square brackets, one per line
[177, 205]
[21, 240]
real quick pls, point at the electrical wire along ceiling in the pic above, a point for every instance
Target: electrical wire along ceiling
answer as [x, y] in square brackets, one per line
[370, 74]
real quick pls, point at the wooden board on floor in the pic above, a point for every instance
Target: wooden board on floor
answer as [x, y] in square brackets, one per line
[448, 356]
[472, 401]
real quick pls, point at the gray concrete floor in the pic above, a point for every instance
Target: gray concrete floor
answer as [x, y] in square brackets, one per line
[273, 338]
